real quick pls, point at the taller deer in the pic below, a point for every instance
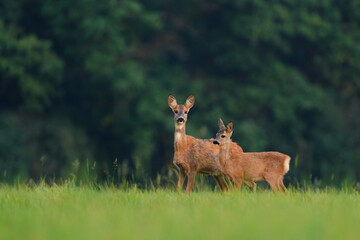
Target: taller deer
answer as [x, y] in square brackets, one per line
[192, 155]
[250, 166]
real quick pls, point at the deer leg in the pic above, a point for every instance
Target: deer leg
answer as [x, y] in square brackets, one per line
[181, 180]
[273, 182]
[238, 182]
[251, 184]
[220, 180]
[239, 179]
[190, 183]
[231, 180]
[235, 180]
[273, 186]
[281, 184]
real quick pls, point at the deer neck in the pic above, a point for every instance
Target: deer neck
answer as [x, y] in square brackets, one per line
[224, 153]
[179, 137]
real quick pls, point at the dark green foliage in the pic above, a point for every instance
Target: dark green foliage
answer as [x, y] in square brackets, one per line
[88, 80]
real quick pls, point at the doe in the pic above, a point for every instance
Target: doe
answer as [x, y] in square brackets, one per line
[249, 167]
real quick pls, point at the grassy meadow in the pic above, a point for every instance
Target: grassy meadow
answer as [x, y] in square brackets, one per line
[71, 212]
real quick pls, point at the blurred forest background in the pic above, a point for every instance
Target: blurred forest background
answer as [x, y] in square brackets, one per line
[84, 83]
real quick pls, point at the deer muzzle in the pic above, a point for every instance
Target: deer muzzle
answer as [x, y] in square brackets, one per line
[180, 120]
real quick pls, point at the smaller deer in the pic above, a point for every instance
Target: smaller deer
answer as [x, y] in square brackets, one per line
[248, 167]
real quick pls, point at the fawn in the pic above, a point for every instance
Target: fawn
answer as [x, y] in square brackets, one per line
[192, 155]
[250, 166]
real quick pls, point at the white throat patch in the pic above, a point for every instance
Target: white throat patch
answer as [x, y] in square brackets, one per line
[177, 136]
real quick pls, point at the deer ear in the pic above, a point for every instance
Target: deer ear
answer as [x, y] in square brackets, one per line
[230, 126]
[221, 124]
[172, 101]
[190, 101]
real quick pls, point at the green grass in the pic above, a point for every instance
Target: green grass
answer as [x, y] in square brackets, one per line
[69, 212]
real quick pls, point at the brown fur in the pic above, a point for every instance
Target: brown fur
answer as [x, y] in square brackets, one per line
[249, 167]
[193, 155]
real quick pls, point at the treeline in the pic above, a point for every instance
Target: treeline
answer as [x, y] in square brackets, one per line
[84, 83]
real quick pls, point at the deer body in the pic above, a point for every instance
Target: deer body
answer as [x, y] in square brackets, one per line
[192, 155]
[196, 155]
[248, 167]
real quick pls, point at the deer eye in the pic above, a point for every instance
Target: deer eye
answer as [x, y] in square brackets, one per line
[223, 136]
[186, 112]
[176, 111]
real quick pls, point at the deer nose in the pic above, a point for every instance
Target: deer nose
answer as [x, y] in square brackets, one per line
[179, 120]
[216, 142]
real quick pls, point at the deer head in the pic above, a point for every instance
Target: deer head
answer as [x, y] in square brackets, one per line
[223, 136]
[181, 111]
